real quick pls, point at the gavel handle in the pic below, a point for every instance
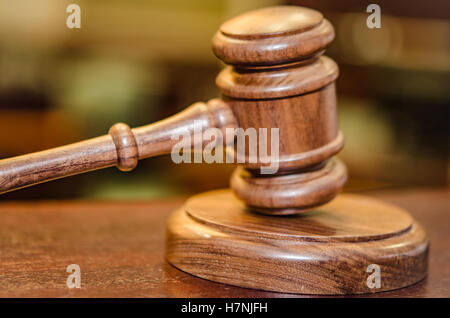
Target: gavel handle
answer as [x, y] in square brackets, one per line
[122, 147]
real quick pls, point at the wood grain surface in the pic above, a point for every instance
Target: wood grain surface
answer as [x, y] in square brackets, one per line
[291, 193]
[272, 35]
[326, 251]
[278, 79]
[122, 147]
[120, 249]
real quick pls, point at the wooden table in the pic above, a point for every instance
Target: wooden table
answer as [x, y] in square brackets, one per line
[119, 247]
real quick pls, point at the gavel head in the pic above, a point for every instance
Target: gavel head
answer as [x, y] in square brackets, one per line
[277, 77]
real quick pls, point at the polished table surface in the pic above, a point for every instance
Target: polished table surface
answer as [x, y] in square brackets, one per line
[119, 247]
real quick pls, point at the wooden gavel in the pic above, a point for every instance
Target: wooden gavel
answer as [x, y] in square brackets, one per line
[276, 77]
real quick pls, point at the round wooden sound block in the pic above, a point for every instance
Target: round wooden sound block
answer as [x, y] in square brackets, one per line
[351, 245]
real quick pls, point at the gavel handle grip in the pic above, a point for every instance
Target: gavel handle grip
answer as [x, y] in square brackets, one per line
[122, 147]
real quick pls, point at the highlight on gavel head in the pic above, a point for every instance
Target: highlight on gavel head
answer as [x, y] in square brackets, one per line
[277, 77]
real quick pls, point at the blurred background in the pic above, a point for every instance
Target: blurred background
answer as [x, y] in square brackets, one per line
[139, 61]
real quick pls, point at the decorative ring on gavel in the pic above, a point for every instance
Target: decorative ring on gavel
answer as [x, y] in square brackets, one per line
[126, 146]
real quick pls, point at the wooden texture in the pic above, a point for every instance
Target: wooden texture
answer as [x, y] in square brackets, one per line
[120, 249]
[271, 22]
[325, 251]
[307, 127]
[278, 78]
[122, 147]
[272, 35]
[269, 83]
[290, 193]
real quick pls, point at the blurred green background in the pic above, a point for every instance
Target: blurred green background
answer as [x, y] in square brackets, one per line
[139, 61]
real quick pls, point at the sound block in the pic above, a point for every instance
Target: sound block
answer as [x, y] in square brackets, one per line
[351, 245]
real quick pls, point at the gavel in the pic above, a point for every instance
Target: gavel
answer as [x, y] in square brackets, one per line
[276, 77]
